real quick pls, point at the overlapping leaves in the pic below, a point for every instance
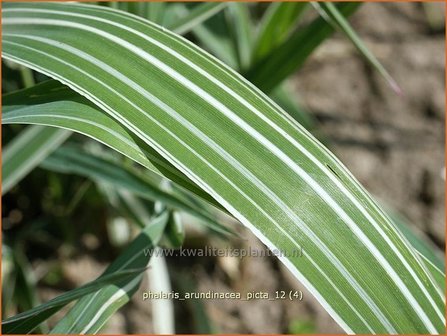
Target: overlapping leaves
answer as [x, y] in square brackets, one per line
[232, 141]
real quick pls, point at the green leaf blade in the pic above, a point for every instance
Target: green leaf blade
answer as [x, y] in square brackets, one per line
[90, 313]
[55, 105]
[22, 155]
[332, 13]
[276, 25]
[27, 321]
[71, 159]
[196, 16]
[290, 55]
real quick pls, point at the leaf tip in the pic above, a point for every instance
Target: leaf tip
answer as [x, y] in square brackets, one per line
[395, 87]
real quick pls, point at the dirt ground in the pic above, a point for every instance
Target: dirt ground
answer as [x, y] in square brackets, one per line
[394, 144]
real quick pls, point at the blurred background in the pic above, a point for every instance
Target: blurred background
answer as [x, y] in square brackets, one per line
[59, 231]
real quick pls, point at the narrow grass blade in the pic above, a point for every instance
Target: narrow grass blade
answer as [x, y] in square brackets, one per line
[90, 313]
[276, 25]
[73, 160]
[67, 109]
[27, 150]
[25, 283]
[245, 151]
[330, 11]
[27, 321]
[228, 35]
[240, 28]
[214, 35]
[287, 57]
[52, 104]
[196, 16]
[163, 310]
[127, 204]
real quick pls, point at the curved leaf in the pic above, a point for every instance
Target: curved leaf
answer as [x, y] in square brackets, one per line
[195, 16]
[90, 313]
[334, 17]
[289, 55]
[53, 104]
[276, 25]
[27, 321]
[71, 159]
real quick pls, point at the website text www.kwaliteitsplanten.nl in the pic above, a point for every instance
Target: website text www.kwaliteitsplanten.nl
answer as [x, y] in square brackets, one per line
[212, 251]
